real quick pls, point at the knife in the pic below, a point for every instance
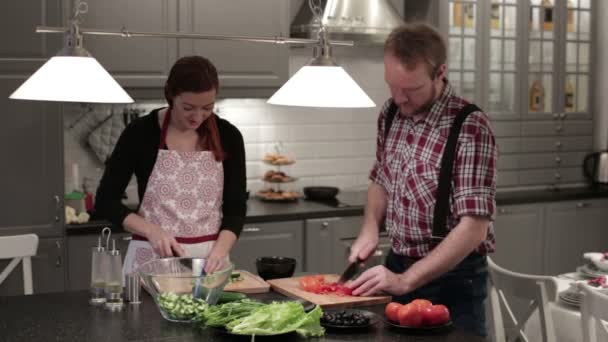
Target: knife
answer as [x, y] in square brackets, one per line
[349, 272]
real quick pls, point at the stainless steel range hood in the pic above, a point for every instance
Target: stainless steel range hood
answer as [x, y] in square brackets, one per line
[364, 21]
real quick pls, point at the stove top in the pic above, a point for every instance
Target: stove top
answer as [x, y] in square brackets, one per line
[346, 199]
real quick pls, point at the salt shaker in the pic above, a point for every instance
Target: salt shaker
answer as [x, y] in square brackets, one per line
[133, 288]
[113, 283]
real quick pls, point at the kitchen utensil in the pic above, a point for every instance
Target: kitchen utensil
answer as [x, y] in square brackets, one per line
[179, 276]
[249, 284]
[320, 193]
[99, 268]
[595, 167]
[275, 267]
[291, 287]
[349, 272]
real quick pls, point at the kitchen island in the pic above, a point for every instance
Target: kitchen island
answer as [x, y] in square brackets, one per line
[67, 316]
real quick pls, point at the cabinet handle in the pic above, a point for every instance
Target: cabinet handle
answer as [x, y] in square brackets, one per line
[504, 211]
[583, 204]
[559, 128]
[558, 175]
[558, 144]
[558, 160]
[251, 229]
[127, 238]
[378, 253]
[58, 262]
[57, 207]
[58, 244]
[325, 224]
[562, 115]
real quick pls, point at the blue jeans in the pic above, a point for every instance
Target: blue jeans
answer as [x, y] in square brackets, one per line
[462, 290]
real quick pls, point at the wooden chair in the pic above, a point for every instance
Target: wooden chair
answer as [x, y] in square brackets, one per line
[19, 248]
[537, 290]
[594, 314]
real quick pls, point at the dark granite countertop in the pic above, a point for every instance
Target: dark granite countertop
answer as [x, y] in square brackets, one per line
[352, 204]
[67, 316]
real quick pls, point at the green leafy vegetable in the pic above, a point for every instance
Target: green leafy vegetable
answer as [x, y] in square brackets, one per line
[220, 315]
[279, 318]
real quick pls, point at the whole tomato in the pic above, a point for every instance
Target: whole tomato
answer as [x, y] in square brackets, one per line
[422, 303]
[392, 310]
[436, 315]
[410, 315]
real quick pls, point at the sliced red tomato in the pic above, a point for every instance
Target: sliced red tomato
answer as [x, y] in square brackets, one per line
[310, 284]
[317, 284]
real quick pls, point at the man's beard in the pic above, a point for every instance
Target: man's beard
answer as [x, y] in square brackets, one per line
[425, 107]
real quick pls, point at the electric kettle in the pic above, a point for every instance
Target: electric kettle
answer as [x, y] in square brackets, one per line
[595, 167]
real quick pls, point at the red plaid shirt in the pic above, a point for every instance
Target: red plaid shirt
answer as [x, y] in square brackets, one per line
[407, 166]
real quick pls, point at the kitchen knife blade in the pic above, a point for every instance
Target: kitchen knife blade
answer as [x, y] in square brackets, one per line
[349, 272]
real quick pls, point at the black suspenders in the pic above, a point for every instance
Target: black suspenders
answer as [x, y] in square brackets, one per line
[442, 205]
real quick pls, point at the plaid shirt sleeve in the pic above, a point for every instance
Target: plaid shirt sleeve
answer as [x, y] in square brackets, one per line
[475, 170]
[377, 174]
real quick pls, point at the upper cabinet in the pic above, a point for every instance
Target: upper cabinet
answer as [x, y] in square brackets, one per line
[134, 62]
[240, 64]
[145, 62]
[528, 64]
[24, 50]
[526, 59]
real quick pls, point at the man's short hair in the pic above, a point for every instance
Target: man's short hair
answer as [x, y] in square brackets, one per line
[417, 42]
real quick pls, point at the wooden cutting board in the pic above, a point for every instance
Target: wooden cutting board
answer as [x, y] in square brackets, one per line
[291, 287]
[250, 284]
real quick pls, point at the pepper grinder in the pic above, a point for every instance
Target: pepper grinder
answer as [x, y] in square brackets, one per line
[113, 283]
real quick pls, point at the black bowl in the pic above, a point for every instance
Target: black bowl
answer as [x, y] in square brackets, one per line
[320, 193]
[275, 267]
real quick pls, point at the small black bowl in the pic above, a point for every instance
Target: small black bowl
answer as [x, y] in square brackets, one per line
[320, 193]
[275, 267]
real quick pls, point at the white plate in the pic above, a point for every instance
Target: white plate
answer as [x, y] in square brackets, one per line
[590, 271]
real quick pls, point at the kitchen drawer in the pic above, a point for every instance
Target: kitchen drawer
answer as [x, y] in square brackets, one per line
[284, 239]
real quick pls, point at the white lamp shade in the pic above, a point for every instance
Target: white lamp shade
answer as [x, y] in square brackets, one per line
[321, 86]
[72, 79]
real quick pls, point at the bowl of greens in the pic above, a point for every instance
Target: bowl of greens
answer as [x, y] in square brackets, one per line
[181, 288]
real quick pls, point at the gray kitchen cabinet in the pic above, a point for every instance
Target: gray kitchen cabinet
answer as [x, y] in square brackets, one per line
[24, 50]
[79, 249]
[240, 64]
[48, 270]
[134, 62]
[284, 239]
[31, 150]
[572, 229]
[328, 242]
[519, 232]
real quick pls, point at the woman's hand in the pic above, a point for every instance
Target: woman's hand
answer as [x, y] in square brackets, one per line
[215, 261]
[218, 256]
[164, 243]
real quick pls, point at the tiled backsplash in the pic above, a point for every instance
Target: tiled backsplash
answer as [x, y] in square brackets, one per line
[331, 146]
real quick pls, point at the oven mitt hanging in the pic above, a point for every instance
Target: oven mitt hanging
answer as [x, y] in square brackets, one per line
[103, 139]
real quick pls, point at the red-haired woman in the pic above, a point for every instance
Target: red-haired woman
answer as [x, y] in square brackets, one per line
[190, 170]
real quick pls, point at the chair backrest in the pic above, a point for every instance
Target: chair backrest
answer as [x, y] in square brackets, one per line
[535, 289]
[594, 314]
[19, 248]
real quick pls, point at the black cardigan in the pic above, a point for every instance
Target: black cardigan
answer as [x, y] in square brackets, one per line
[136, 151]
